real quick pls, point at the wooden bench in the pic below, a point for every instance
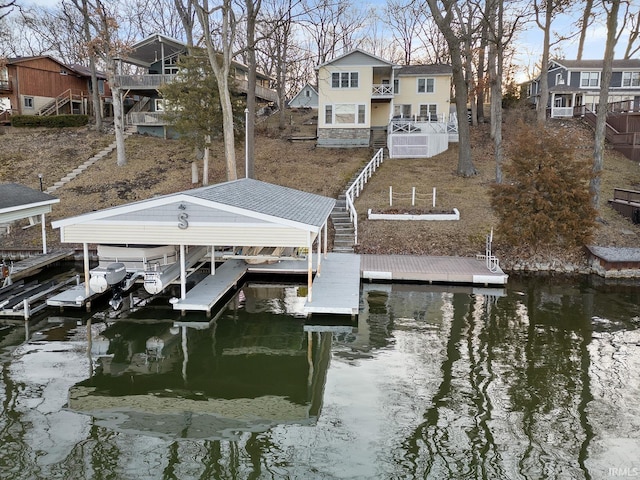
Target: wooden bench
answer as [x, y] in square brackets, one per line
[627, 203]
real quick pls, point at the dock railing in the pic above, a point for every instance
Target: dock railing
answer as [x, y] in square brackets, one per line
[358, 185]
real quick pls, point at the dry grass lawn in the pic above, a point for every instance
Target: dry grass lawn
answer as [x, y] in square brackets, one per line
[158, 166]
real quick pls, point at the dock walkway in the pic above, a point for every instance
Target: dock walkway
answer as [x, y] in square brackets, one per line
[452, 270]
[32, 265]
[209, 291]
[337, 289]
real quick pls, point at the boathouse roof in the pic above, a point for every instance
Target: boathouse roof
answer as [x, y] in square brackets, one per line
[239, 212]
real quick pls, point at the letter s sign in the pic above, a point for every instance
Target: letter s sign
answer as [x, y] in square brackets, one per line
[182, 220]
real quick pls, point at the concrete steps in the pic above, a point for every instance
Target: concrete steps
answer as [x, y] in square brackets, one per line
[81, 168]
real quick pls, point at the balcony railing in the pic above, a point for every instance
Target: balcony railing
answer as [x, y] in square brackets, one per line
[146, 118]
[148, 81]
[154, 81]
[561, 112]
[419, 125]
[382, 90]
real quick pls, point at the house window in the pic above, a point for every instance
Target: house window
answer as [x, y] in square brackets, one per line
[426, 85]
[396, 86]
[28, 102]
[307, 93]
[631, 79]
[159, 104]
[402, 111]
[328, 114]
[559, 79]
[589, 79]
[345, 114]
[429, 112]
[344, 80]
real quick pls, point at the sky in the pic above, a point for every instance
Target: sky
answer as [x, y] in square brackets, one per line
[529, 43]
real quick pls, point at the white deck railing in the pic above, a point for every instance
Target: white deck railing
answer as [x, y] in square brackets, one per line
[146, 118]
[381, 90]
[560, 112]
[413, 126]
[358, 185]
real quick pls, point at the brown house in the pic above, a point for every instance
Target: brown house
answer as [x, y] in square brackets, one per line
[44, 86]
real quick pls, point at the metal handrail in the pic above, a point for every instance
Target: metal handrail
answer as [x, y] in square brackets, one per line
[358, 185]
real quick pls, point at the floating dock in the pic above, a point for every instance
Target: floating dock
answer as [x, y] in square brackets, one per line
[336, 290]
[32, 265]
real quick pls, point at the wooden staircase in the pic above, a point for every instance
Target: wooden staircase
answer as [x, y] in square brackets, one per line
[378, 138]
[56, 105]
[344, 237]
[622, 128]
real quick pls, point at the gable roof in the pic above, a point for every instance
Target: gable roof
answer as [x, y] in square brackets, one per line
[149, 50]
[14, 196]
[249, 197]
[307, 85]
[435, 69]
[355, 52]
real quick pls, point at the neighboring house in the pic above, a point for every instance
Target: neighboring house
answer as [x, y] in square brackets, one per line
[576, 83]
[307, 97]
[365, 100]
[158, 56]
[44, 86]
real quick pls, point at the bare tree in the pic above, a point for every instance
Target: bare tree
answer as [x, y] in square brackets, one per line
[605, 82]
[633, 43]
[434, 45]
[444, 15]
[5, 7]
[220, 57]
[545, 12]
[404, 18]
[585, 22]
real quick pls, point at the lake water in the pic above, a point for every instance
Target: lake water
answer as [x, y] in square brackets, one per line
[538, 381]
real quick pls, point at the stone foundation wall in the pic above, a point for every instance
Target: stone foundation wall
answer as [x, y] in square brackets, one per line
[343, 137]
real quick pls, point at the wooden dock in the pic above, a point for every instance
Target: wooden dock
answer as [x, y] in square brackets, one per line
[32, 265]
[337, 289]
[209, 291]
[451, 270]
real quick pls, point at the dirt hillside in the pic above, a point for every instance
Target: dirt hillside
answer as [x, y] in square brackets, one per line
[156, 166]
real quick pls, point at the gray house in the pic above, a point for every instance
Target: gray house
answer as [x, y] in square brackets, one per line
[307, 97]
[576, 83]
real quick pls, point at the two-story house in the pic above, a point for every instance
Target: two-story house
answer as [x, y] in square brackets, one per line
[43, 85]
[576, 83]
[363, 98]
[157, 56]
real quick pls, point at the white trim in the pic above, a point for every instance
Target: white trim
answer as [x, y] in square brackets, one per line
[167, 200]
[25, 206]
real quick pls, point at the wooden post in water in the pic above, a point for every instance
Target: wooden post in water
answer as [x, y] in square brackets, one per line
[87, 288]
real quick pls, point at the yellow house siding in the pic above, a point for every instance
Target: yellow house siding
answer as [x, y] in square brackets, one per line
[408, 93]
[335, 96]
[380, 114]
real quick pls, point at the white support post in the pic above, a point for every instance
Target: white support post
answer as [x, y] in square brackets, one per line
[326, 234]
[44, 234]
[390, 196]
[309, 266]
[183, 274]
[434, 197]
[319, 237]
[213, 259]
[413, 196]
[85, 259]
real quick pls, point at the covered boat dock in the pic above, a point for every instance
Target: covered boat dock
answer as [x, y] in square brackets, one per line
[268, 226]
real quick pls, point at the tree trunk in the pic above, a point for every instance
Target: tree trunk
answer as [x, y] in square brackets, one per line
[601, 119]
[465, 161]
[541, 116]
[584, 24]
[95, 92]
[252, 12]
[221, 71]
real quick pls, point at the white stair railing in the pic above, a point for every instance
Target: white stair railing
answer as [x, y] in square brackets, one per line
[358, 185]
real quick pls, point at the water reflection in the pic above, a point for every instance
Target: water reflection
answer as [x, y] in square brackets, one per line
[539, 381]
